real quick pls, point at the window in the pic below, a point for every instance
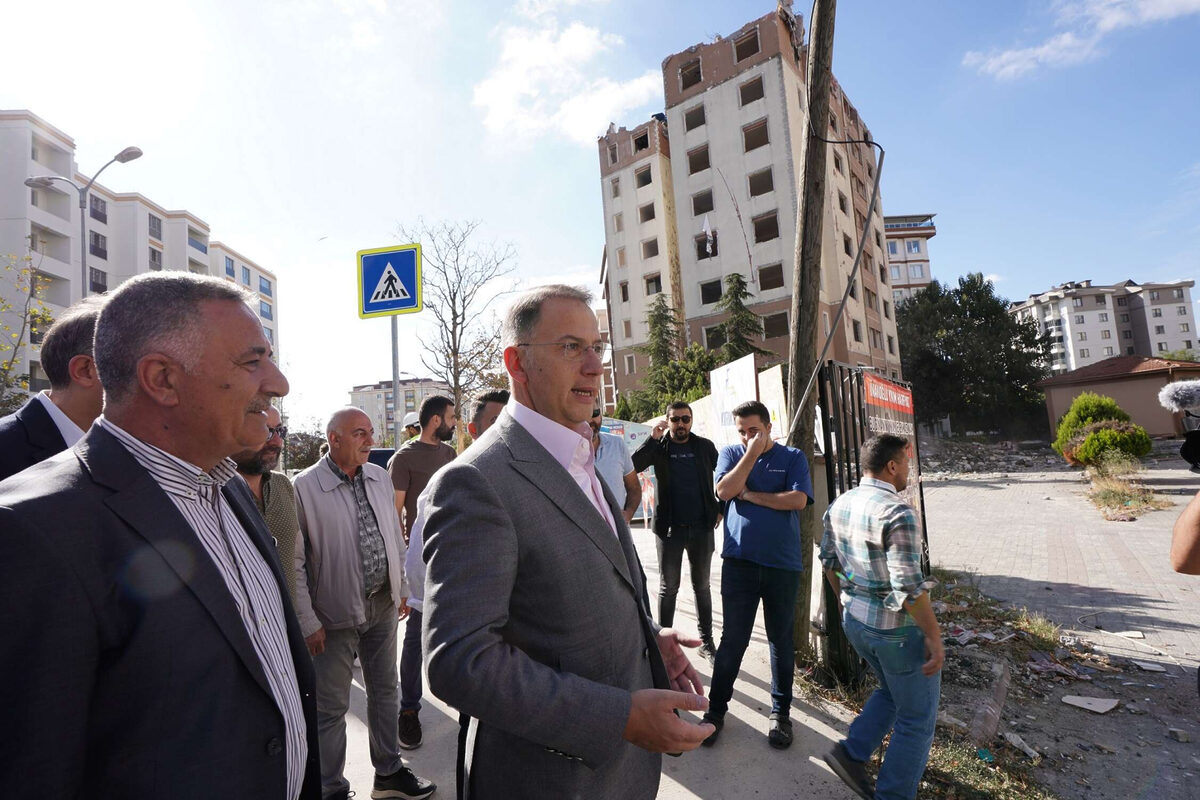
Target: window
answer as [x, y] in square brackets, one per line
[1126, 334]
[698, 160]
[98, 208]
[762, 182]
[1100, 300]
[714, 336]
[878, 240]
[650, 248]
[895, 273]
[710, 292]
[837, 162]
[916, 270]
[620, 256]
[98, 244]
[1081, 336]
[1105, 334]
[705, 247]
[643, 177]
[891, 345]
[1077, 302]
[246, 275]
[264, 309]
[97, 280]
[1129, 351]
[1079, 319]
[155, 259]
[155, 227]
[630, 364]
[871, 298]
[618, 223]
[616, 187]
[1084, 353]
[689, 74]
[1156, 312]
[1162, 347]
[1184, 327]
[1122, 301]
[1103, 316]
[33, 198]
[270, 334]
[1187, 344]
[746, 46]
[1181, 311]
[1159, 330]
[857, 326]
[1154, 295]
[751, 90]
[641, 142]
[229, 270]
[847, 245]
[653, 285]
[264, 286]
[854, 288]
[913, 246]
[775, 325]
[1177, 294]
[1124, 318]
[893, 248]
[876, 338]
[624, 291]
[770, 277]
[612, 154]
[766, 227]
[833, 123]
[646, 212]
[1108, 351]
[627, 328]
[843, 204]
[754, 135]
[825, 322]
[693, 118]
[887, 310]
[702, 202]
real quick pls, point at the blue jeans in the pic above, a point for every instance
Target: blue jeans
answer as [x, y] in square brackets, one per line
[743, 585]
[906, 700]
[410, 663]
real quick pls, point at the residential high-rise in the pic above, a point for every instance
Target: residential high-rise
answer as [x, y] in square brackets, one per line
[711, 187]
[376, 400]
[1089, 323]
[908, 252]
[128, 234]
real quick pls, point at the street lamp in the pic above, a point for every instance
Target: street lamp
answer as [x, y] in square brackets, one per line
[45, 181]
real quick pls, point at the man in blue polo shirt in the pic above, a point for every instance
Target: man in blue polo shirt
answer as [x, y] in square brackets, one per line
[764, 486]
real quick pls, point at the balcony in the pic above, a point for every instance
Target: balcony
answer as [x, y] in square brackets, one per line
[97, 280]
[98, 251]
[199, 245]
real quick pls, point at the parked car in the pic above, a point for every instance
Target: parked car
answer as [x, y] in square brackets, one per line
[381, 455]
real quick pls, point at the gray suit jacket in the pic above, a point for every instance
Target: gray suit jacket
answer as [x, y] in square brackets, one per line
[536, 624]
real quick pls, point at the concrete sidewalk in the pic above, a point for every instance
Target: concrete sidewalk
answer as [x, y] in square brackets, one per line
[741, 764]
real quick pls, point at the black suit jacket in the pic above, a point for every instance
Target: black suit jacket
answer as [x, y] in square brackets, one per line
[654, 453]
[125, 669]
[27, 436]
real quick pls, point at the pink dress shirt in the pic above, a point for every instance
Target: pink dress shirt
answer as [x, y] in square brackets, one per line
[572, 448]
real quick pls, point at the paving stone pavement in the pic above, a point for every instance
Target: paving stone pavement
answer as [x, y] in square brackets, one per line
[1034, 539]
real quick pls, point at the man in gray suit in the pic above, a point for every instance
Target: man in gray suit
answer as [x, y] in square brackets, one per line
[537, 621]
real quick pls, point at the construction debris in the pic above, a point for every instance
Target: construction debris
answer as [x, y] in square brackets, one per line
[1019, 743]
[1179, 735]
[1148, 666]
[1097, 705]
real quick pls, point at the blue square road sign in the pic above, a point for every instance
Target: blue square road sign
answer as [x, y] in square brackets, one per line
[389, 281]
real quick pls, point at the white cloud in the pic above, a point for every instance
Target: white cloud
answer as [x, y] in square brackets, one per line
[549, 80]
[540, 9]
[1088, 23]
[993, 277]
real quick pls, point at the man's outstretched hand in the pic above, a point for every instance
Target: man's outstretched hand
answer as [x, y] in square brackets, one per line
[683, 675]
[653, 725]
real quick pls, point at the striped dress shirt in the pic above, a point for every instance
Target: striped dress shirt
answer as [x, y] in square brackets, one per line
[198, 497]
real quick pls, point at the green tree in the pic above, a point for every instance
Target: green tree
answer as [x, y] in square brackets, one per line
[1179, 355]
[23, 314]
[664, 333]
[968, 358]
[742, 327]
[624, 409]
[301, 449]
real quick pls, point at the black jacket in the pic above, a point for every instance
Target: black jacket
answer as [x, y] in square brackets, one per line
[27, 436]
[653, 453]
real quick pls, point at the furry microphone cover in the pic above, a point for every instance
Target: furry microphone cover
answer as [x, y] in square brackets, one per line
[1180, 396]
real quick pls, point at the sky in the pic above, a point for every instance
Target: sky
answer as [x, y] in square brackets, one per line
[1055, 140]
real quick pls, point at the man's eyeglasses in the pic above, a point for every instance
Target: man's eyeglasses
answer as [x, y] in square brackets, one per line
[572, 351]
[685, 419]
[278, 430]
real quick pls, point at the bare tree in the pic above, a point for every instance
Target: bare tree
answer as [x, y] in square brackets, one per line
[462, 277]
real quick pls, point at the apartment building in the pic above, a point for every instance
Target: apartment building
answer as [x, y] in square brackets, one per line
[127, 233]
[908, 253]
[710, 187]
[376, 400]
[608, 385]
[1088, 323]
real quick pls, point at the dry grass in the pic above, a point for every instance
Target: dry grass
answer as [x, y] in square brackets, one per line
[1122, 499]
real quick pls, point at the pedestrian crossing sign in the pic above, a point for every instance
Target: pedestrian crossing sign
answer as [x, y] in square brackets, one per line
[389, 281]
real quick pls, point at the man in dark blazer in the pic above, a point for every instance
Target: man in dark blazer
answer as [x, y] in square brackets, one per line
[54, 420]
[150, 649]
[536, 618]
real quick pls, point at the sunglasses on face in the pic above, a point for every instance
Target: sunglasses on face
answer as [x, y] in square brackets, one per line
[684, 419]
[278, 430]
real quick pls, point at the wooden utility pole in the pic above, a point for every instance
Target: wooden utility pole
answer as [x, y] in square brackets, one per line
[806, 288]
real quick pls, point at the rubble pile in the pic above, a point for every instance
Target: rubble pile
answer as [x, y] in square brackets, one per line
[943, 459]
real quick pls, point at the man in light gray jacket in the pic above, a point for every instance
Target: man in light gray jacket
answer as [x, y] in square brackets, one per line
[350, 592]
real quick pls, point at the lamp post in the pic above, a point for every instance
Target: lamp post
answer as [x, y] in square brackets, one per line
[45, 181]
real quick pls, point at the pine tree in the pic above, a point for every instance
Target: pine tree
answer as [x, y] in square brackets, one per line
[743, 327]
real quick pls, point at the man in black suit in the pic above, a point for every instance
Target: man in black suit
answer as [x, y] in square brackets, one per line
[150, 649]
[55, 420]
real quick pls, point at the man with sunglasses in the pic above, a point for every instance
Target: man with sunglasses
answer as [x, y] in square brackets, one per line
[685, 513]
[273, 493]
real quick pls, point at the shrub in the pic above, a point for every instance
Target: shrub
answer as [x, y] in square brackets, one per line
[1123, 437]
[1087, 408]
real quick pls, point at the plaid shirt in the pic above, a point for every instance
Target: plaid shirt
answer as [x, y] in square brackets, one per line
[370, 540]
[873, 541]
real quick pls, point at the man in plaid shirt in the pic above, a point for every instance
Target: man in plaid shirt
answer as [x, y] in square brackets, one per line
[871, 552]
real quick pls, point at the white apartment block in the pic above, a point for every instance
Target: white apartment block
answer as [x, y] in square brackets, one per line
[728, 149]
[376, 400]
[127, 233]
[908, 253]
[1089, 323]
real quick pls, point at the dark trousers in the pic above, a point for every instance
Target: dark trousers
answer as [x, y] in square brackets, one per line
[410, 663]
[743, 585]
[697, 540]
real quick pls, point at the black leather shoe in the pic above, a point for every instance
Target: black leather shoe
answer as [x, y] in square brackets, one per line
[853, 773]
[712, 737]
[403, 785]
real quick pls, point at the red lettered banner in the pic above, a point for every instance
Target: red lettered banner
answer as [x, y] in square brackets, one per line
[889, 406]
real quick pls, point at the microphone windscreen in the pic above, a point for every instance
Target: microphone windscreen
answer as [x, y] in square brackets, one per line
[1180, 396]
